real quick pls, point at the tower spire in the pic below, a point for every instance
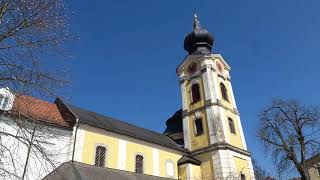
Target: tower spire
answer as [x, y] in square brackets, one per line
[196, 22]
[199, 41]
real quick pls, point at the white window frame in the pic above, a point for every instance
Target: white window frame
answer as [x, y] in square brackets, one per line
[173, 168]
[106, 156]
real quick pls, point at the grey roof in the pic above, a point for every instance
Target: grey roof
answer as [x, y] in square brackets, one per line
[188, 159]
[120, 127]
[79, 171]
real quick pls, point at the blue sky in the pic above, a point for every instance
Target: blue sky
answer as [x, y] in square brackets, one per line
[124, 63]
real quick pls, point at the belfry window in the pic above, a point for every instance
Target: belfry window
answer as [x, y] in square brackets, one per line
[224, 92]
[195, 92]
[318, 169]
[198, 127]
[231, 126]
[100, 157]
[139, 164]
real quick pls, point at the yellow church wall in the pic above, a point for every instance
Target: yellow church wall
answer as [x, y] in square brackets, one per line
[206, 166]
[168, 156]
[199, 141]
[92, 139]
[242, 167]
[196, 172]
[132, 150]
[183, 172]
[95, 136]
[235, 139]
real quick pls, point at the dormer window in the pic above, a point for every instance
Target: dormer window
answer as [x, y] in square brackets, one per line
[6, 99]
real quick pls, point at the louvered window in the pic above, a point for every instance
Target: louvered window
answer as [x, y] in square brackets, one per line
[198, 127]
[195, 92]
[224, 92]
[139, 164]
[231, 126]
[100, 157]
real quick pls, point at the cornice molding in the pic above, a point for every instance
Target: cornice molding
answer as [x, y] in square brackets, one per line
[220, 146]
[209, 103]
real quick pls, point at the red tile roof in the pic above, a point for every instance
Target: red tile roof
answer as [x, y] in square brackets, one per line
[37, 109]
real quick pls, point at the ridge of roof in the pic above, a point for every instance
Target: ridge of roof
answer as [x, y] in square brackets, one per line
[81, 171]
[187, 159]
[124, 128]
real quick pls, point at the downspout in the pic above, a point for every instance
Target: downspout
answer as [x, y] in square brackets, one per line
[75, 139]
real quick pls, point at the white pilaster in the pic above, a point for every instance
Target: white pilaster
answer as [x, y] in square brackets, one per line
[224, 165]
[155, 162]
[78, 151]
[211, 125]
[232, 95]
[207, 81]
[189, 172]
[122, 154]
[186, 133]
[241, 133]
[184, 95]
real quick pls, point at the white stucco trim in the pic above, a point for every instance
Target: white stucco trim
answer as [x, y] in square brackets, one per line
[79, 145]
[186, 133]
[122, 155]
[224, 125]
[210, 119]
[232, 98]
[189, 172]
[223, 164]
[155, 162]
[243, 139]
[184, 96]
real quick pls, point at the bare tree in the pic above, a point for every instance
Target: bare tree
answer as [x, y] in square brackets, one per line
[32, 33]
[259, 172]
[290, 133]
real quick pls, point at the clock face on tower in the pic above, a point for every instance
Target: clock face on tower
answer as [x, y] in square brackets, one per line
[192, 68]
[219, 67]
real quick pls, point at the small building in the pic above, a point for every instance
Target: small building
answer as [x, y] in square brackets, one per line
[314, 167]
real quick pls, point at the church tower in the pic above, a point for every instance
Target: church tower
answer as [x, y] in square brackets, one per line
[212, 130]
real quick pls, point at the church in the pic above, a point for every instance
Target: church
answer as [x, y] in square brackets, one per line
[204, 140]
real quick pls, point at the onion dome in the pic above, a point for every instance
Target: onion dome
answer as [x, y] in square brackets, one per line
[174, 128]
[199, 41]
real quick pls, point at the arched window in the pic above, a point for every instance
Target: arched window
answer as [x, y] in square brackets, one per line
[100, 157]
[231, 126]
[243, 177]
[195, 92]
[224, 92]
[139, 164]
